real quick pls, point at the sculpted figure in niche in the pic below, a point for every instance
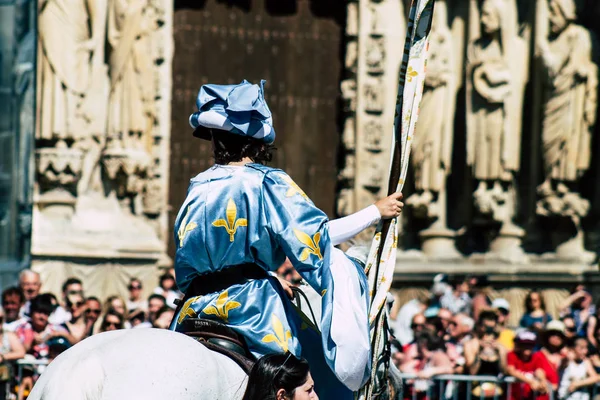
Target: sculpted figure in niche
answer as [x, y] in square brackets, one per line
[71, 32]
[570, 96]
[65, 43]
[132, 90]
[131, 105]
[570, 103]
[496, 71]
[432, 146]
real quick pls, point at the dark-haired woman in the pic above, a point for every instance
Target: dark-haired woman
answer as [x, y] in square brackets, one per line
[239, 222]
[280, 377]
[112, 321]
[536, 317]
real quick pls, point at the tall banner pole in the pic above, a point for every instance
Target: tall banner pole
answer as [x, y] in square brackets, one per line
[381, 262]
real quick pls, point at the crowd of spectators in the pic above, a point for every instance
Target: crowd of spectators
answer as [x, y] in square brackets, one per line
[461, 330]
[38, 325]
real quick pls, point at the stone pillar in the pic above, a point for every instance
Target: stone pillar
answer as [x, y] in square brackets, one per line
[103, 112]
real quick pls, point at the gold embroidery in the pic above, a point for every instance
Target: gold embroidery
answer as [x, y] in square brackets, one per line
[312, 244]
[281, 336]
[222, 307]
[187, 310]
[185, 227]
[232, 223]
[294, 188]
[323, 292]
[410, 74]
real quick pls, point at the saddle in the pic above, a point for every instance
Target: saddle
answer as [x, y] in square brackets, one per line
[220, 338]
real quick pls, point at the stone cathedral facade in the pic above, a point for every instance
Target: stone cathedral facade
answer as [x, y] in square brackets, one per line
[505, 171]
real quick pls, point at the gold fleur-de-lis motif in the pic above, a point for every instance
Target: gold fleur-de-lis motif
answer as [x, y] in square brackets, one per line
[222, 307]
[281, 336]
[232, 223]
[312, 244]
[411, 73]
[185, 227]
[294, 188]
[187, 310]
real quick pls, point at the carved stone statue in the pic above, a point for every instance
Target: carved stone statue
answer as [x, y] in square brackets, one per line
[70, 32]
[131, 115]
[65, 44]
[570, 105]
[432, 146]
[496, 71]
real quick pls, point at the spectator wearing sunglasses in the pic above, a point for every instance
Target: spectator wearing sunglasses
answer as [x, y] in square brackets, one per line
[92, 314]
[460, 330]
[112, 321]
[280, 377]
[136, 301]
[506, 336]
[410, 351]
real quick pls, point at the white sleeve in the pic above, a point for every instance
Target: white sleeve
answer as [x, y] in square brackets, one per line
[343, 229]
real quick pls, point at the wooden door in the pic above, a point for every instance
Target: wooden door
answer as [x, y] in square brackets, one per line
[294, 45]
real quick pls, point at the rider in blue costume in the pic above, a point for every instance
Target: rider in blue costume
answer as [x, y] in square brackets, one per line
[242, 218]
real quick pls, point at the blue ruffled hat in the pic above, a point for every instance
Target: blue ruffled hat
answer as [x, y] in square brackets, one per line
[239, 109]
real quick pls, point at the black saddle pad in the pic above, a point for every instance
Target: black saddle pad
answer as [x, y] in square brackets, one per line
[220, 338]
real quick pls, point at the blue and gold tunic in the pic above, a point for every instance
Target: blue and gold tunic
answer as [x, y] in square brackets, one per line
[235, 215]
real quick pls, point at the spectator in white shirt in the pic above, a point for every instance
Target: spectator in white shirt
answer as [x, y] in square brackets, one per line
[30, 284]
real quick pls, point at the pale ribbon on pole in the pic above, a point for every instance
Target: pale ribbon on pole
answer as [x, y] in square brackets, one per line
[381, 262]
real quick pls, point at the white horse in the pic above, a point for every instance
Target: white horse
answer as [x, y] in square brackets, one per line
[140, 364]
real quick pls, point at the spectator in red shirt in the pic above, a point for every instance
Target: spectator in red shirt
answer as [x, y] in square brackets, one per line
[529, 368]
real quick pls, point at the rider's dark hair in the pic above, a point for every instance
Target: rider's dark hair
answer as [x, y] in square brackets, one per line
[229, 147]
[274, 372]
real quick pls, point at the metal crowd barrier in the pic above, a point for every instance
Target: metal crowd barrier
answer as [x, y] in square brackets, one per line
[461, 387]
[38, 366]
